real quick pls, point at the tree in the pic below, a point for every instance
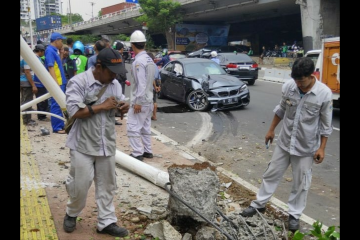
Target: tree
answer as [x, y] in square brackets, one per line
[161, 16]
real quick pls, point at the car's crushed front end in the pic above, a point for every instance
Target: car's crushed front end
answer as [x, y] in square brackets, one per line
[224, 93]
[229, 97]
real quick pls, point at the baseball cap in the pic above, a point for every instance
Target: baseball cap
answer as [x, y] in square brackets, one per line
[111, 59]
[118, 46]
[39, 47]
[56, 36]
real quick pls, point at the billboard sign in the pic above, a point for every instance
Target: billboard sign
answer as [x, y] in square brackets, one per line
[191, 37]
[48, 22]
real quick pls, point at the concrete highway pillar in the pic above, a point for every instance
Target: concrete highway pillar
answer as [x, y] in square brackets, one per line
[319, 19]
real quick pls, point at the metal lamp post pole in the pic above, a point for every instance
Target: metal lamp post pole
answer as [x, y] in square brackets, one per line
[92, 9]
[70, 13]
[30, 26]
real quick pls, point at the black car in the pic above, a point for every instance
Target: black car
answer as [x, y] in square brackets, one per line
[201, 51]
[202, 84]
[205, 52]
[240, 65]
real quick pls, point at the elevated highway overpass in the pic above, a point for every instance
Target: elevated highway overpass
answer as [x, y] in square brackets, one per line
[263, 22]
[199, 11]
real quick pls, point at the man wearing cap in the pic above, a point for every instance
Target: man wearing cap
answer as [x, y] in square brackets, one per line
[27, 89]
[69, 65]
[98, 46]
[141, 99]
[54, 65]
[39, 51]
[92, 141]
[118, 46]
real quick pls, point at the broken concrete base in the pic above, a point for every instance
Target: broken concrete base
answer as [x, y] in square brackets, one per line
[198, 186]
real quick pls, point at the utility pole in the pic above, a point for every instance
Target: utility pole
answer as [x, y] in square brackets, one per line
[92, 8]
[30, 26]
[70, 23]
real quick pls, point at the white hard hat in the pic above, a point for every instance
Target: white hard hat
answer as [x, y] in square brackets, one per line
[213, 53]
[137, 36]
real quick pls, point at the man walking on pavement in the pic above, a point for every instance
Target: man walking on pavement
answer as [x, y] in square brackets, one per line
[54, 66]
[98, 46]
[306, 110]
[118, 46]
[165, 59]
[69, 65]
[92, 97]
[42, 106]
[27, 89]
[141, 99]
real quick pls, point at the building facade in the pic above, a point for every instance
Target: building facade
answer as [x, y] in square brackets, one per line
[39, 8]
[116, 7]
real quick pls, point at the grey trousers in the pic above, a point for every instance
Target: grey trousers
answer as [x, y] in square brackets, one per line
[139, 130]
[26, 95]
[302, 175]
[83, 171]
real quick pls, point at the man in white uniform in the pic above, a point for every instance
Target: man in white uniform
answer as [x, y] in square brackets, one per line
[141, 99]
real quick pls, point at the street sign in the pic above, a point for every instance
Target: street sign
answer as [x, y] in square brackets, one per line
[145, 28]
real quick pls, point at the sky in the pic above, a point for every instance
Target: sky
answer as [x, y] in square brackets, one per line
[84, 8]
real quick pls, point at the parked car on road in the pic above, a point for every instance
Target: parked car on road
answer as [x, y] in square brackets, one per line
[205, 52]
[240, 65]
[202, 84]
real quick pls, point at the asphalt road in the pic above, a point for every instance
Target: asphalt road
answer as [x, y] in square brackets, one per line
[235, 140]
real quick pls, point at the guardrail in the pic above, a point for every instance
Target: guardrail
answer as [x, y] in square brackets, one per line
[91, 20]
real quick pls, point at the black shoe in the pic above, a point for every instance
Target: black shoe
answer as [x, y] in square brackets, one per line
[294, 224]
[251, 211]
[69, 223]
[114, 230]
[137, 157]
[118, 123]
[148, 155]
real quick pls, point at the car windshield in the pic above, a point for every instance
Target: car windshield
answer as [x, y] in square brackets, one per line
[177, 55]
[200, 68]
[235, 58]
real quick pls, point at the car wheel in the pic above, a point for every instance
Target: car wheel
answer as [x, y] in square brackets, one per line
[251, 82]
[197, 100]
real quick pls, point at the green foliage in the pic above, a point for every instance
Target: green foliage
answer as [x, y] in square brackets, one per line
[85, 39]
[278, 228]
[222, 195]
[75, 17]
[149, 42]
[160, 15]
[122, 37]
[330, 233]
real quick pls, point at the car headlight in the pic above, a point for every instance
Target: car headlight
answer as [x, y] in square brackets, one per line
[243, 88]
